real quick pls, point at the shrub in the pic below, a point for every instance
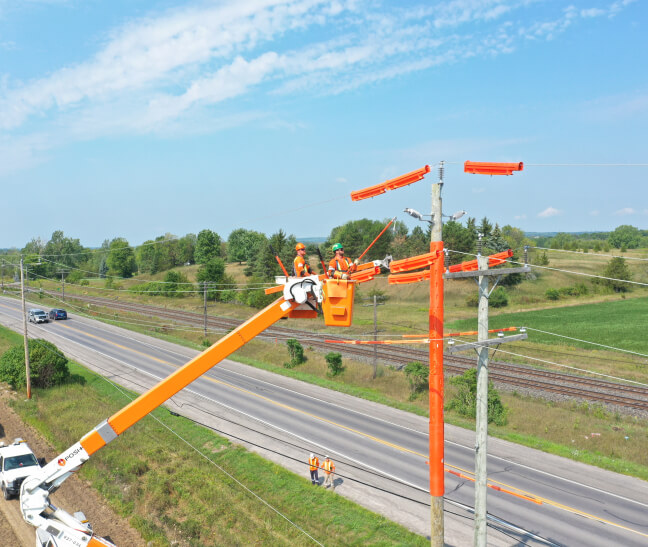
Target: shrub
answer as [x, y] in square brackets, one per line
[552, 294]
[296, 352]
[465, 401]
[417, 376]
[48, 365]
[334, 362]
[498, 298]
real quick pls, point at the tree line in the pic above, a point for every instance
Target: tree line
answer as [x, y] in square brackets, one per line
[65, 257]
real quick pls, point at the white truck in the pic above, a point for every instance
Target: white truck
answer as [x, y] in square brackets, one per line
[16, 462]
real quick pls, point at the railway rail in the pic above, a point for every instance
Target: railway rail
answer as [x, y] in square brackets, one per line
[507, 375]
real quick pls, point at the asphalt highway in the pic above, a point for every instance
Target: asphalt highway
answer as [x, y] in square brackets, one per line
[380, 452]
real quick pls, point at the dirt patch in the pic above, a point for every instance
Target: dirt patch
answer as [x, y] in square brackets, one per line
[74, 495]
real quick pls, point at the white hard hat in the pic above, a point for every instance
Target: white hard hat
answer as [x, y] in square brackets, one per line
[326, 457]
[312, 456]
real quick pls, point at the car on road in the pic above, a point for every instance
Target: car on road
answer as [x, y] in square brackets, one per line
[57, 313]
[37, 316]
[16, 462]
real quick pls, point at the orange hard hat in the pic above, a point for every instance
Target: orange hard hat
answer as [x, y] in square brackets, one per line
[299, 246]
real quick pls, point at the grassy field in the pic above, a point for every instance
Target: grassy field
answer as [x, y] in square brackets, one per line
[175, 495]
[562, 428]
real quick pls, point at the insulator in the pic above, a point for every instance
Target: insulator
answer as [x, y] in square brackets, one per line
[441, 171]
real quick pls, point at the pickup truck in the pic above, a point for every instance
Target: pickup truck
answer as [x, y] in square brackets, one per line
[16, 462]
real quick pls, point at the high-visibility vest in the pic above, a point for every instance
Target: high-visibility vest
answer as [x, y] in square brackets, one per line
[314, 463]
[338, 267]
[300, 268]
[329, 466]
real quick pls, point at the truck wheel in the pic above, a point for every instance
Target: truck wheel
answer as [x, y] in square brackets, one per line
[5, 493]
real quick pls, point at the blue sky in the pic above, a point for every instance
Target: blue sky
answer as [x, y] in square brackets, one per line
[135, 118]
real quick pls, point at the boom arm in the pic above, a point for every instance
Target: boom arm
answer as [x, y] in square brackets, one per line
[70, 530]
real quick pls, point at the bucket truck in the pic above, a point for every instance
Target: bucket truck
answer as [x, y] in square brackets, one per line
[300, 297]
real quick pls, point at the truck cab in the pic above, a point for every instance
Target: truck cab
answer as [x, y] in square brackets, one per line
[16, 462]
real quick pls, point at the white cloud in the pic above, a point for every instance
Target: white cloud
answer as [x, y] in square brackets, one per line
[625, 211]
[594, 213]
[520, 217]
[162, 71]
[549, 212]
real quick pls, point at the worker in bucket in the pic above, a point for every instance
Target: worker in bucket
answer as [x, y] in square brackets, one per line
[340, 267]
[329, 471]
[314, 465]
[300, 266]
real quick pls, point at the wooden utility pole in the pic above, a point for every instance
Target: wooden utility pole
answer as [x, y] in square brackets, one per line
[481, 425]
[436, 441]
[205, 307]
[24, 313]
[375, 348]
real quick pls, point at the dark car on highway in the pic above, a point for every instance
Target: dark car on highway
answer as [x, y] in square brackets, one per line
[57, 314]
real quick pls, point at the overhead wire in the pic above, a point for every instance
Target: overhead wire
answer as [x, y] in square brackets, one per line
[594, 373]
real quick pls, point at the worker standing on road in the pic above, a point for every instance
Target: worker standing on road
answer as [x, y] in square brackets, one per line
[300, 266]
[339, 266]
[314, 464]
[329, 471]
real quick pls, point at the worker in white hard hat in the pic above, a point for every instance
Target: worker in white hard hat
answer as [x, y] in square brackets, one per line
[314, 464]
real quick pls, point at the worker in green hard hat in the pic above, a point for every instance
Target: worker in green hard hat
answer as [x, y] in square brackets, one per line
[340, 267]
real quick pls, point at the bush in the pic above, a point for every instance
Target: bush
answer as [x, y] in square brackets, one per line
[552, 294]
[417, 376]
[498, 298]
[296, 352]
[48, 365]
[465, 401]
[334, 362]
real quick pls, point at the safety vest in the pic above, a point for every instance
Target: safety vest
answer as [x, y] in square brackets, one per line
[300, 268]
[337, 267]
[329, 466]
[314, 463]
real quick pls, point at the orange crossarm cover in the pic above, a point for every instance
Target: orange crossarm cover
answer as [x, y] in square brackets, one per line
[411, 277]
[392, 184]
[485, 168]
[365, 274]
[414, 262]
[471, 265]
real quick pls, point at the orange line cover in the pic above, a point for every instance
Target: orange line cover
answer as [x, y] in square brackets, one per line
[392, 184]
[486, 168]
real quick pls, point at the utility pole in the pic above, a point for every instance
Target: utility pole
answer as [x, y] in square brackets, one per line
[436, 434]
[481, 433]
[205, 307]
[24, 313]
[375, 348]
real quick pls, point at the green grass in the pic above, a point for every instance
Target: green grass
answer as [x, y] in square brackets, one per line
[172, 494]
[620, 323]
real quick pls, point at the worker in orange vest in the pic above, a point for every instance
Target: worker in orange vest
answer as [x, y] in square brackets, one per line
[329, 471]
[300, 266]
[314, 464]
[340, 267]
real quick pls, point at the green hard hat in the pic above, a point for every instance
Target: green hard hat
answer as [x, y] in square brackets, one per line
[337, 247]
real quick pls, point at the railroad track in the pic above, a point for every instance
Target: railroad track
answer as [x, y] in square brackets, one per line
[504, 374]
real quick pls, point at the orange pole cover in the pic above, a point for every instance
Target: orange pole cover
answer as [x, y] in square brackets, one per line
[486, 168]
